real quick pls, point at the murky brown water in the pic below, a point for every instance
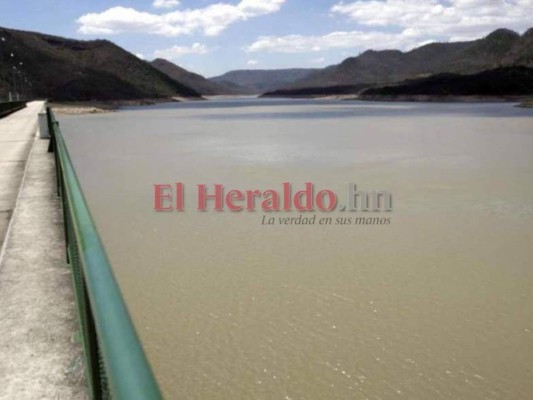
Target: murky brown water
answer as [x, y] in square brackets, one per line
[436, 305]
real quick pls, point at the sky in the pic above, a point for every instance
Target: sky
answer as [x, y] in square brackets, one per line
[213, 37]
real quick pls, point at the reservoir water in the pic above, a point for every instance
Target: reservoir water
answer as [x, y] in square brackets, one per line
[436, 304]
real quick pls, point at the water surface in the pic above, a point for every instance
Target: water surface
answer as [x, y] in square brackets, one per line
[436, 305]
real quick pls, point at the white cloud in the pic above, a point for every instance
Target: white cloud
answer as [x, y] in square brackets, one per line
[319, 60]
[259, 7]
[166, 3]
[140, 55]
[252, 63]
[339, 40]
[447, 20]
[178, 51]
[404, 24]
[210, 20]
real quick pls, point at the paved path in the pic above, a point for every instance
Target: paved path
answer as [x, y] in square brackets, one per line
[40, 355]
[16, 137]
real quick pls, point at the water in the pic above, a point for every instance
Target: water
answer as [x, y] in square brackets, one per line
[436, 305]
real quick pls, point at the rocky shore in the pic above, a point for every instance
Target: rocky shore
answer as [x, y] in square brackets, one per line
[98, 107]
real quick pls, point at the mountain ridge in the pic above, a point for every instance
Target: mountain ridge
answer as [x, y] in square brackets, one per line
[64, 69]
[195, 81]
[501, 82]
[257, 81]
[502, 47]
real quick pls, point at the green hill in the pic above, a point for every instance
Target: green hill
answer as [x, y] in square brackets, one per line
[68, 70]
[499, 82]
[197, 82]
[317, 91]
[501, 48]
[255, 81]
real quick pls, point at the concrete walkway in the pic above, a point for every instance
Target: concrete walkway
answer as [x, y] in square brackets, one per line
[16, 137]
[40, 355]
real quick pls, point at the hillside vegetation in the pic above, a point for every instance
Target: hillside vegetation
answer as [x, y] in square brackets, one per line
[257, 81]
[502, 48]
[500, 82]
[64, 69]
[195, 81]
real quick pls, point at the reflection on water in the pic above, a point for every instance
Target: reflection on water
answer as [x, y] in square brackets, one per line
[436, 305]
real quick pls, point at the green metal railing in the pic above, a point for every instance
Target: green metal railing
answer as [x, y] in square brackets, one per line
[116, 366]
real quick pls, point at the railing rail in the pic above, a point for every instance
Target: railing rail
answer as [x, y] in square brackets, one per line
[116, 366]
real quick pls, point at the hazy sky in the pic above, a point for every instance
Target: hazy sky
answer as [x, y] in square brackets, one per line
[212, 37]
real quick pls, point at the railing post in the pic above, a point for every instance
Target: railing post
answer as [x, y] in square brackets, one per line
[51, 131]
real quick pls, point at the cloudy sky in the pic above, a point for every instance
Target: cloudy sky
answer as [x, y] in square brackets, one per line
[212, 37]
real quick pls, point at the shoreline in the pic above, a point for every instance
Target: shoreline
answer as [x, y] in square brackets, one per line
[81, 107]
[100, 107]
[524, 101]
[445, 98]
[107, 106]
[313, 96]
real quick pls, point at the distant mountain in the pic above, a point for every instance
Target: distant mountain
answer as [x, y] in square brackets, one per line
[197, 82]
[500, 82]
[256, 81]
[501, 48]
[66, 70]
[317, 91]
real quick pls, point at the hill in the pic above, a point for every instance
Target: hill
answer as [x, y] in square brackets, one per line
[255, 81]
[67, 70]
[501, 48]
[317, 91]
[499, 82]
[195, 81]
